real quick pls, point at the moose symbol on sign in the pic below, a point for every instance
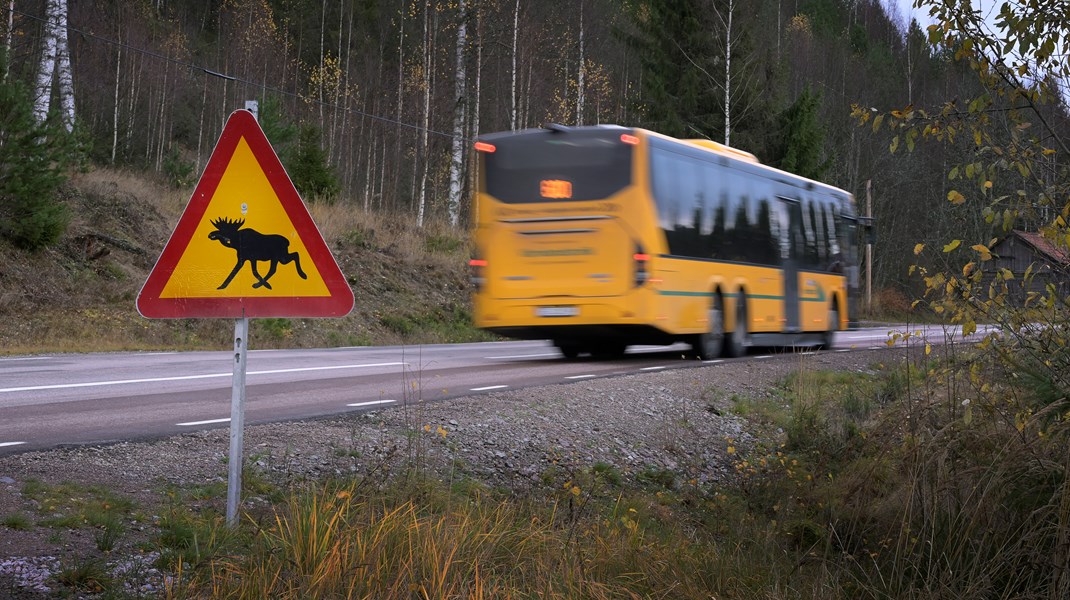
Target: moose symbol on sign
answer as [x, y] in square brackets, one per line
[253, 247]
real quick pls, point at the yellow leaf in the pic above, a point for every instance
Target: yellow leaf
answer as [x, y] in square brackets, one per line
[918, 248]
[977, 137]
[988, 185]
[1048, 152]
[731, 449]
[983, 250]
[928, 349]
[955, 197]
[968, 268]
[575, 490]
[954, 244]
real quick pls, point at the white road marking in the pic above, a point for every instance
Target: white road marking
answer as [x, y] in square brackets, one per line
[196, 423]
[372, 403]
[14, 358]
[523, 356]
[651, 368]
[63, 386]
[4, 444]
[580, 376]
[763, 356]
[489, 387]
[713, 362]
[844, 350]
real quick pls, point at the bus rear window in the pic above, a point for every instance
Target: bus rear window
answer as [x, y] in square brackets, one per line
[558, 166]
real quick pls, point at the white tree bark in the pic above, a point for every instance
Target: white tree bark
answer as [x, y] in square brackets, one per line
[115, 109]
[422, 205]
[459, 114]
[516, 31]
[7, 38]
[728, 76]
[580, 75]
[63, 67]
[47, 67]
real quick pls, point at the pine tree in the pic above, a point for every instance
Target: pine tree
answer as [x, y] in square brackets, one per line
[33, 162]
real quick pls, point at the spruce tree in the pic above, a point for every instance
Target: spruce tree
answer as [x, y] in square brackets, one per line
[801, 147]
[33, 162]
[312, 175]
[673, 43]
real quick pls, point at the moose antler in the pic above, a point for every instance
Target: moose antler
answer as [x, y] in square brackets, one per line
[225, 223]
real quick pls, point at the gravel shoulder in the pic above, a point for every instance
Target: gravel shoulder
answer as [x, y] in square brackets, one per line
[679, 421]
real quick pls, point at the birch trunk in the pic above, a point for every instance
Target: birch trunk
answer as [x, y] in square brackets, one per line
[426, 122]
[728, 76]
[115, 110]
[516, 31]
[457, 146]
[63, 67]
[580, 75]
[473, 129]
[46, 70]
[7, 38]
[401, 99]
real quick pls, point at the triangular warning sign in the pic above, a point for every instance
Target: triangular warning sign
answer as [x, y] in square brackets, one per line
[245, 245]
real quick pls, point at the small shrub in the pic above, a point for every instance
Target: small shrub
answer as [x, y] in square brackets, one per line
[17, 521]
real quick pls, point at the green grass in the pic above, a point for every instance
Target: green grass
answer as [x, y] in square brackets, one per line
[73, 505]
[18, 521]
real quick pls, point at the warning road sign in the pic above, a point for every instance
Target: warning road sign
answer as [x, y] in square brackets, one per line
[246, 245]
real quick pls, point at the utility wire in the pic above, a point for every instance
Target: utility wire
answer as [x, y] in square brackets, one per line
[195, 67]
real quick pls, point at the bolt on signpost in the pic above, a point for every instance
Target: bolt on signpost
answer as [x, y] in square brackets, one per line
[245, 209]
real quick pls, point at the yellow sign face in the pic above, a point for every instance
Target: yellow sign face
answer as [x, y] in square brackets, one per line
[244, 195]
[245, 246]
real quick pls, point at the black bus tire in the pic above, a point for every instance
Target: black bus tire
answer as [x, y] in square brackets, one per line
[736, 342]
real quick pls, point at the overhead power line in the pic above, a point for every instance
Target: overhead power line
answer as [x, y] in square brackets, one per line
[195, 67]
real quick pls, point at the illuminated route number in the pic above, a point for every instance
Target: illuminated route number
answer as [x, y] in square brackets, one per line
[555, 188]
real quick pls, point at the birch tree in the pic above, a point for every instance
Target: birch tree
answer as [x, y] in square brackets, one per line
[459, 113]
[54, 69]
[581, 72]
[512, 94]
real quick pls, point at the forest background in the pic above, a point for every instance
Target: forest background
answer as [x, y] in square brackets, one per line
[945, 475]
[374, 103]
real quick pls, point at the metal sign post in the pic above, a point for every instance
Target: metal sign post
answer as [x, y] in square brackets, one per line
[237, 419]
[244, 208]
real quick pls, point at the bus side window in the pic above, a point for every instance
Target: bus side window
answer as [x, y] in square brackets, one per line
[836, 258]
[664, 184]
[716, 208]
[689, 212]
[810, 260]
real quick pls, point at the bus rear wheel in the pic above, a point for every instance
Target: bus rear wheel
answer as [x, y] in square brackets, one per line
[569, 350]
[709, 345]
[736, 342]
[834, 325]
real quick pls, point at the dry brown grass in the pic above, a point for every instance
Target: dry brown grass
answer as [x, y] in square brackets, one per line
[410, 283]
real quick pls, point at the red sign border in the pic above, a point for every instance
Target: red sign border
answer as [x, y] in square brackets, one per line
[339, 302]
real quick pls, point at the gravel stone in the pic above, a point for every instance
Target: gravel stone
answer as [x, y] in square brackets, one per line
[524, 440]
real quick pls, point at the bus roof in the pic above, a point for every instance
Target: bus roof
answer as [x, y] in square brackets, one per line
[741, 158]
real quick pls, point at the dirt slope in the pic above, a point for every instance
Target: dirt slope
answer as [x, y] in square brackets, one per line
[410, 284]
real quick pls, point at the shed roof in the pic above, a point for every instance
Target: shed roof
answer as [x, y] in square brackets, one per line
[1044, 247]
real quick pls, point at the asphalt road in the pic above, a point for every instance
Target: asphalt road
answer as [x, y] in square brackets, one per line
[72, 399]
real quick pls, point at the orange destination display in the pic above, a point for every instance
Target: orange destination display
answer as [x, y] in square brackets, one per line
[246, 245]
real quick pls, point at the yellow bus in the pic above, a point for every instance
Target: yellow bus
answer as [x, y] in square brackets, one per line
[598, 238]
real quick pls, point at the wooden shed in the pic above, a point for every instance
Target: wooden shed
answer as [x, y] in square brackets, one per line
[1019, 250]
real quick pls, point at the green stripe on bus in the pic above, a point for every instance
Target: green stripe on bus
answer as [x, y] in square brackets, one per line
[820, 297]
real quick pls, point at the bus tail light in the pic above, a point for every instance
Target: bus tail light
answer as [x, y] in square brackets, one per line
[641, 258]
[485, 147]
[476, 266]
